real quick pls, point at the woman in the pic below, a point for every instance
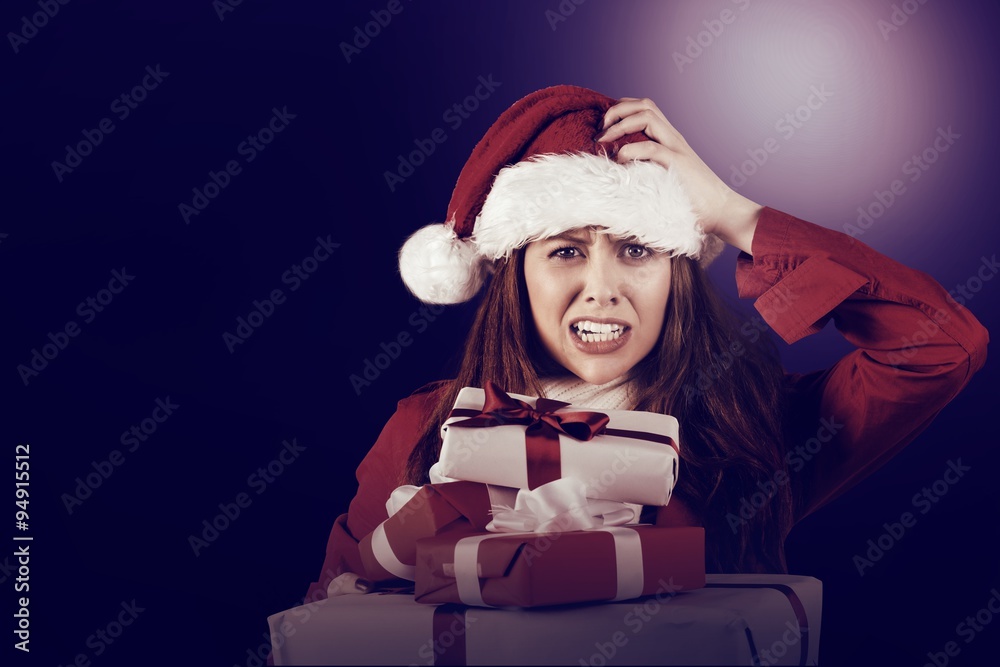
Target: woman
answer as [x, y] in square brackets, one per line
[598, 296]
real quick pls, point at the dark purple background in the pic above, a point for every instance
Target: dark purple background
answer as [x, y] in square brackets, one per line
[323, 176]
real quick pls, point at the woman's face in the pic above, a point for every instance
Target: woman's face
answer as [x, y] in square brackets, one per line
[598, 301]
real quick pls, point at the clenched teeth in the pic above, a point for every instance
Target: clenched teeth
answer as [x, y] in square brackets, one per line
[594, 332]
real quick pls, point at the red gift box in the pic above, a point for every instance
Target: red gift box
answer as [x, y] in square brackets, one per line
[389, 552]
[537, 569]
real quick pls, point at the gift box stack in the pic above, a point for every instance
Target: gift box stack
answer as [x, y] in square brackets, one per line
[537, 503]
[526, 548]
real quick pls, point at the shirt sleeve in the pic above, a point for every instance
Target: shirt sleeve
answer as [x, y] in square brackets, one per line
[379, 474]
[916, 349]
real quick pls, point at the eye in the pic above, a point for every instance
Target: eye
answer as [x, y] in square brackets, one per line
[566, 252]
[633, 251]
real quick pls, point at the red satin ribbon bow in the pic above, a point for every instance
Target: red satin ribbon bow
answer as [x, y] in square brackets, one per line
[543, 428]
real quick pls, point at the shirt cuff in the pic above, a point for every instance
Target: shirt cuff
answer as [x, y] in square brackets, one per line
[796, 293]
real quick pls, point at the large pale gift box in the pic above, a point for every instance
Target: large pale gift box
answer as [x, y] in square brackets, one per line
[525, 442]
[733, 620]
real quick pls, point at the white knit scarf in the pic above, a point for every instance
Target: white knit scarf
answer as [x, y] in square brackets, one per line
[614, 395]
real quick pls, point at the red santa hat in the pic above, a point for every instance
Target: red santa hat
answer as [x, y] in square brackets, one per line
[537, 173]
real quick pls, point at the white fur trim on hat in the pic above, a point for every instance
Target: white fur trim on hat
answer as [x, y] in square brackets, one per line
[553, 193]
[439, 268]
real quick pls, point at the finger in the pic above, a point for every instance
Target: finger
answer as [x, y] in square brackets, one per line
[645, 150]
[348, 584]
[627, 106]
[644, 121]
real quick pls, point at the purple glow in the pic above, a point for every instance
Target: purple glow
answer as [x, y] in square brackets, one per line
[889, 94]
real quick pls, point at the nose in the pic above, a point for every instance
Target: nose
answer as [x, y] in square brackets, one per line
[602, 281]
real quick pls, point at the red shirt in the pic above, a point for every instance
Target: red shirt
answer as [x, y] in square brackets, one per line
[916, 349]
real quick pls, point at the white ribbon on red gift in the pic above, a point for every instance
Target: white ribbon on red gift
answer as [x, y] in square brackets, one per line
[556, 507]
[560, 506]
[628, 566]
[500, 496]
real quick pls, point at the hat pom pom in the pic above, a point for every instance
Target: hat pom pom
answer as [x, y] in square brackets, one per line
[440, 268]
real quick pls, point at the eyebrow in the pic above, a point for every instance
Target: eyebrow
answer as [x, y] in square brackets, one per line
[569, 236]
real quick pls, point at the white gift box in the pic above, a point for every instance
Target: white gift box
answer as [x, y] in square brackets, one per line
[634, 460]
[742, 619]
